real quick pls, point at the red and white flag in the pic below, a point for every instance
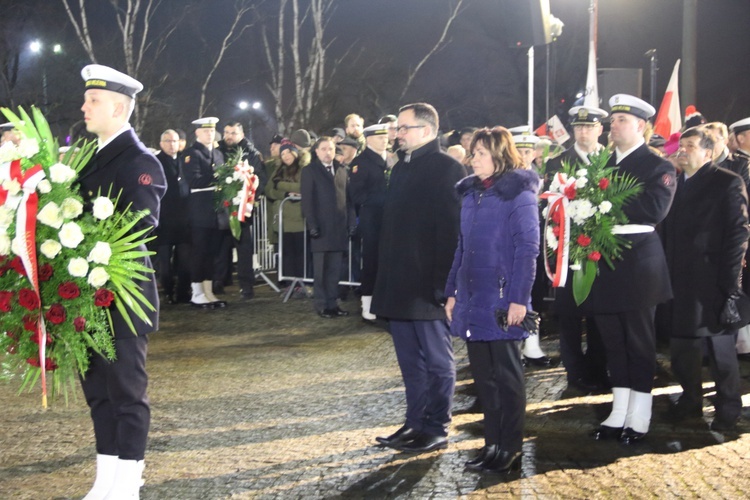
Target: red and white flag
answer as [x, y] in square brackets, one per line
[668, 119]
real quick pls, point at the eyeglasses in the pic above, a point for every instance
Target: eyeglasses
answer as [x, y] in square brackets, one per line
[404, 128]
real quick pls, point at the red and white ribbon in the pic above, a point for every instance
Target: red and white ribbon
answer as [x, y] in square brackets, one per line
[557, 202]
[247, 195]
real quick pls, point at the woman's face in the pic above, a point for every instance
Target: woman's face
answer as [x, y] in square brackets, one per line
[481, 161]
[287, 157]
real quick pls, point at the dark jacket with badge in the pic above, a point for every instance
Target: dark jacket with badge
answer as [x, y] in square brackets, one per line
[197, 165]
[326, 206]
[705, 238]
[495, 261]
[173, 214]
[128, 168]
[640, 279]
[419, 235]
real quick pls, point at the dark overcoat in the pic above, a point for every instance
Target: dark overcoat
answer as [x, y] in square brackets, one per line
[640, 279]
[326, 206]
[131, 170]
[173, 213]
[197, 165]
[419, 235]
[705, 238]
[495, 261]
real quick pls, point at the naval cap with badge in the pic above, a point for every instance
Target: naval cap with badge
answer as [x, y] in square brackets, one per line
[378, 129]
[206, 122]
[740, 126]
[587, 115]
[624, 103]
[525, 141]
[520, 130]
[98, 76]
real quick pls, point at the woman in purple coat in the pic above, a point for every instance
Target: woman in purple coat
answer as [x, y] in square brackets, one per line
[493, 270]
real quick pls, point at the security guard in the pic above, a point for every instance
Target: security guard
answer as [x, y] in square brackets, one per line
[367, 185]
[623, 299]
[197, 166]
[116, 390]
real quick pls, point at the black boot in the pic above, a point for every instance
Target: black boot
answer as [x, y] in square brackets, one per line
[476, 463]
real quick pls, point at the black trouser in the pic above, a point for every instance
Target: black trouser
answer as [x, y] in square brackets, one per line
[590, 366]
[223, 260]
[498, 374]
[174, 260]
[293, 257]
[326, 272]
[116, 394]
[204, 250]
[630, 343]
[245, 250]
[369, 227]
[687, 358]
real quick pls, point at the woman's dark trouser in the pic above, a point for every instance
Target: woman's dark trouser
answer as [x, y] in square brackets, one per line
[498, 375]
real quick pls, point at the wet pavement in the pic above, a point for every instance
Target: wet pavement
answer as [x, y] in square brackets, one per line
[267, 400]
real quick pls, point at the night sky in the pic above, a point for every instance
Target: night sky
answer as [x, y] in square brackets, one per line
[477, 79]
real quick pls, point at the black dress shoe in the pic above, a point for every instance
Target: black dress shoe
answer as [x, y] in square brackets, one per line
[217, 287]
[679, 412]
[476, 463]
[249, 295]
[340, 312]
[606, 432]
[503, 462]
[403, 434]
[327, 313]
[422, 443]
[629, 436]
[219, 304]
[542, 362]
[723, 425]
[207, 305]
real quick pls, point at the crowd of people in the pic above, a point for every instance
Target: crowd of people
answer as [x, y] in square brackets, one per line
[448, 239]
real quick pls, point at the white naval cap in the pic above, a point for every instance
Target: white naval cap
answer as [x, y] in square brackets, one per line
[587, 115]
[525, 141]
[97, 76]
[624, 103]
[740, 126]
[379, 129]
[207, 122]
[521, 130]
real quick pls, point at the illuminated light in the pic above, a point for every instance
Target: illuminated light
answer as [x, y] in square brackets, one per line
[35, 46]
[243, 105]
[256, 105]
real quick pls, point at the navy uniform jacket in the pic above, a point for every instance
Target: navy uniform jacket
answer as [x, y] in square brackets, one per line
[173, 213]
[326, 206]
[640, 279]
[367, 183]
[705, 238]
[197, 164]
[131, 170]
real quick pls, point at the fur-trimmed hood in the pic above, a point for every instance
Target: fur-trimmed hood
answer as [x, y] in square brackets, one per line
[507, 186]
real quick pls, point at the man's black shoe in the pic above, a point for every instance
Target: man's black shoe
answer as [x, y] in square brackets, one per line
[403, 434]
[247, 295]
[584, 385]
[487, 453]
[217, 288]
[340, 312]
[629, 436]
[543, 362]
[327, 313]
[503, 462]
[606, 432]
[722, 425]
[207, 305]
[422, 443]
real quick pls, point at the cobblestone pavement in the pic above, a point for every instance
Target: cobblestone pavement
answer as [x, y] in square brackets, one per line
[266, 400]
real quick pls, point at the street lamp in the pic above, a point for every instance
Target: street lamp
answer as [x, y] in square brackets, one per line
[37, 47]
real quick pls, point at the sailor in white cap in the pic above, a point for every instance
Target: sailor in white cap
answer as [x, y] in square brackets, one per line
[526, 144]
[116, 390]
[368, 184]
[521, 130]
[197, 166]
[623, 299]
[9, 133]
[741, 131]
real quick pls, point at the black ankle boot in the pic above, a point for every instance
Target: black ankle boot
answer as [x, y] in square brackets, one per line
[476, 463]
[503, 462]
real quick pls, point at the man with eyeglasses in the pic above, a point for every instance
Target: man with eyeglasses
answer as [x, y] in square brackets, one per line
[417, 243]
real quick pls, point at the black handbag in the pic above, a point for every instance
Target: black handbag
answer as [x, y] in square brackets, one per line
[530, 322]
[736, 311]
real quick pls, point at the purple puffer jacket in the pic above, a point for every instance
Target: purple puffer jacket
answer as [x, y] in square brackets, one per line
[495, 261]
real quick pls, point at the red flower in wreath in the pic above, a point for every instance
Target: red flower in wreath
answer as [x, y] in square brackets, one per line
[103, 298]
[17, 265]
[28, 299]
[595, 256]
[45, 272]
[583, 240]
[49, 365]
[226, 203]
[79, 323]
[29, 323]
[56, 314]
[570, 192]
[68, 290]
[603, 183]
[556, 231]
[35, 338]
[5, 298]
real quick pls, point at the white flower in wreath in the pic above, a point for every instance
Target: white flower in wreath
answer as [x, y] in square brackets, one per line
[229, 180]
[44, 186]
[71, 208]
[236, 200]
[98, 277]
[78, 267]
[18, 246]
[582, 172]
[50, 248]
[60, 173]
[551, 238]
[8, 152]
[28, 147]
[4, 244]
[575, 267]
[605, 206]
[101, 253]
[581, 182]
[236, 175]
[582, 210]
[545, 211]
[6, 217]
[103, 208]
[12, 186]
[70, 235]
[50, 215]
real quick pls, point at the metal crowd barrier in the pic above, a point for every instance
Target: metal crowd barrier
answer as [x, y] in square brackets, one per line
[303, 280]
[263, 251]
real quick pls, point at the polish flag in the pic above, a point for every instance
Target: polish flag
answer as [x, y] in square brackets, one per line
[668, 119]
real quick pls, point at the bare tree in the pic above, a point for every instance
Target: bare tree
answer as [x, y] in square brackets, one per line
[441, 42]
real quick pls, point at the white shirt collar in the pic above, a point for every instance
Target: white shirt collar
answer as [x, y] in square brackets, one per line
[622, 154]
[123, 129]
[583, 155]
